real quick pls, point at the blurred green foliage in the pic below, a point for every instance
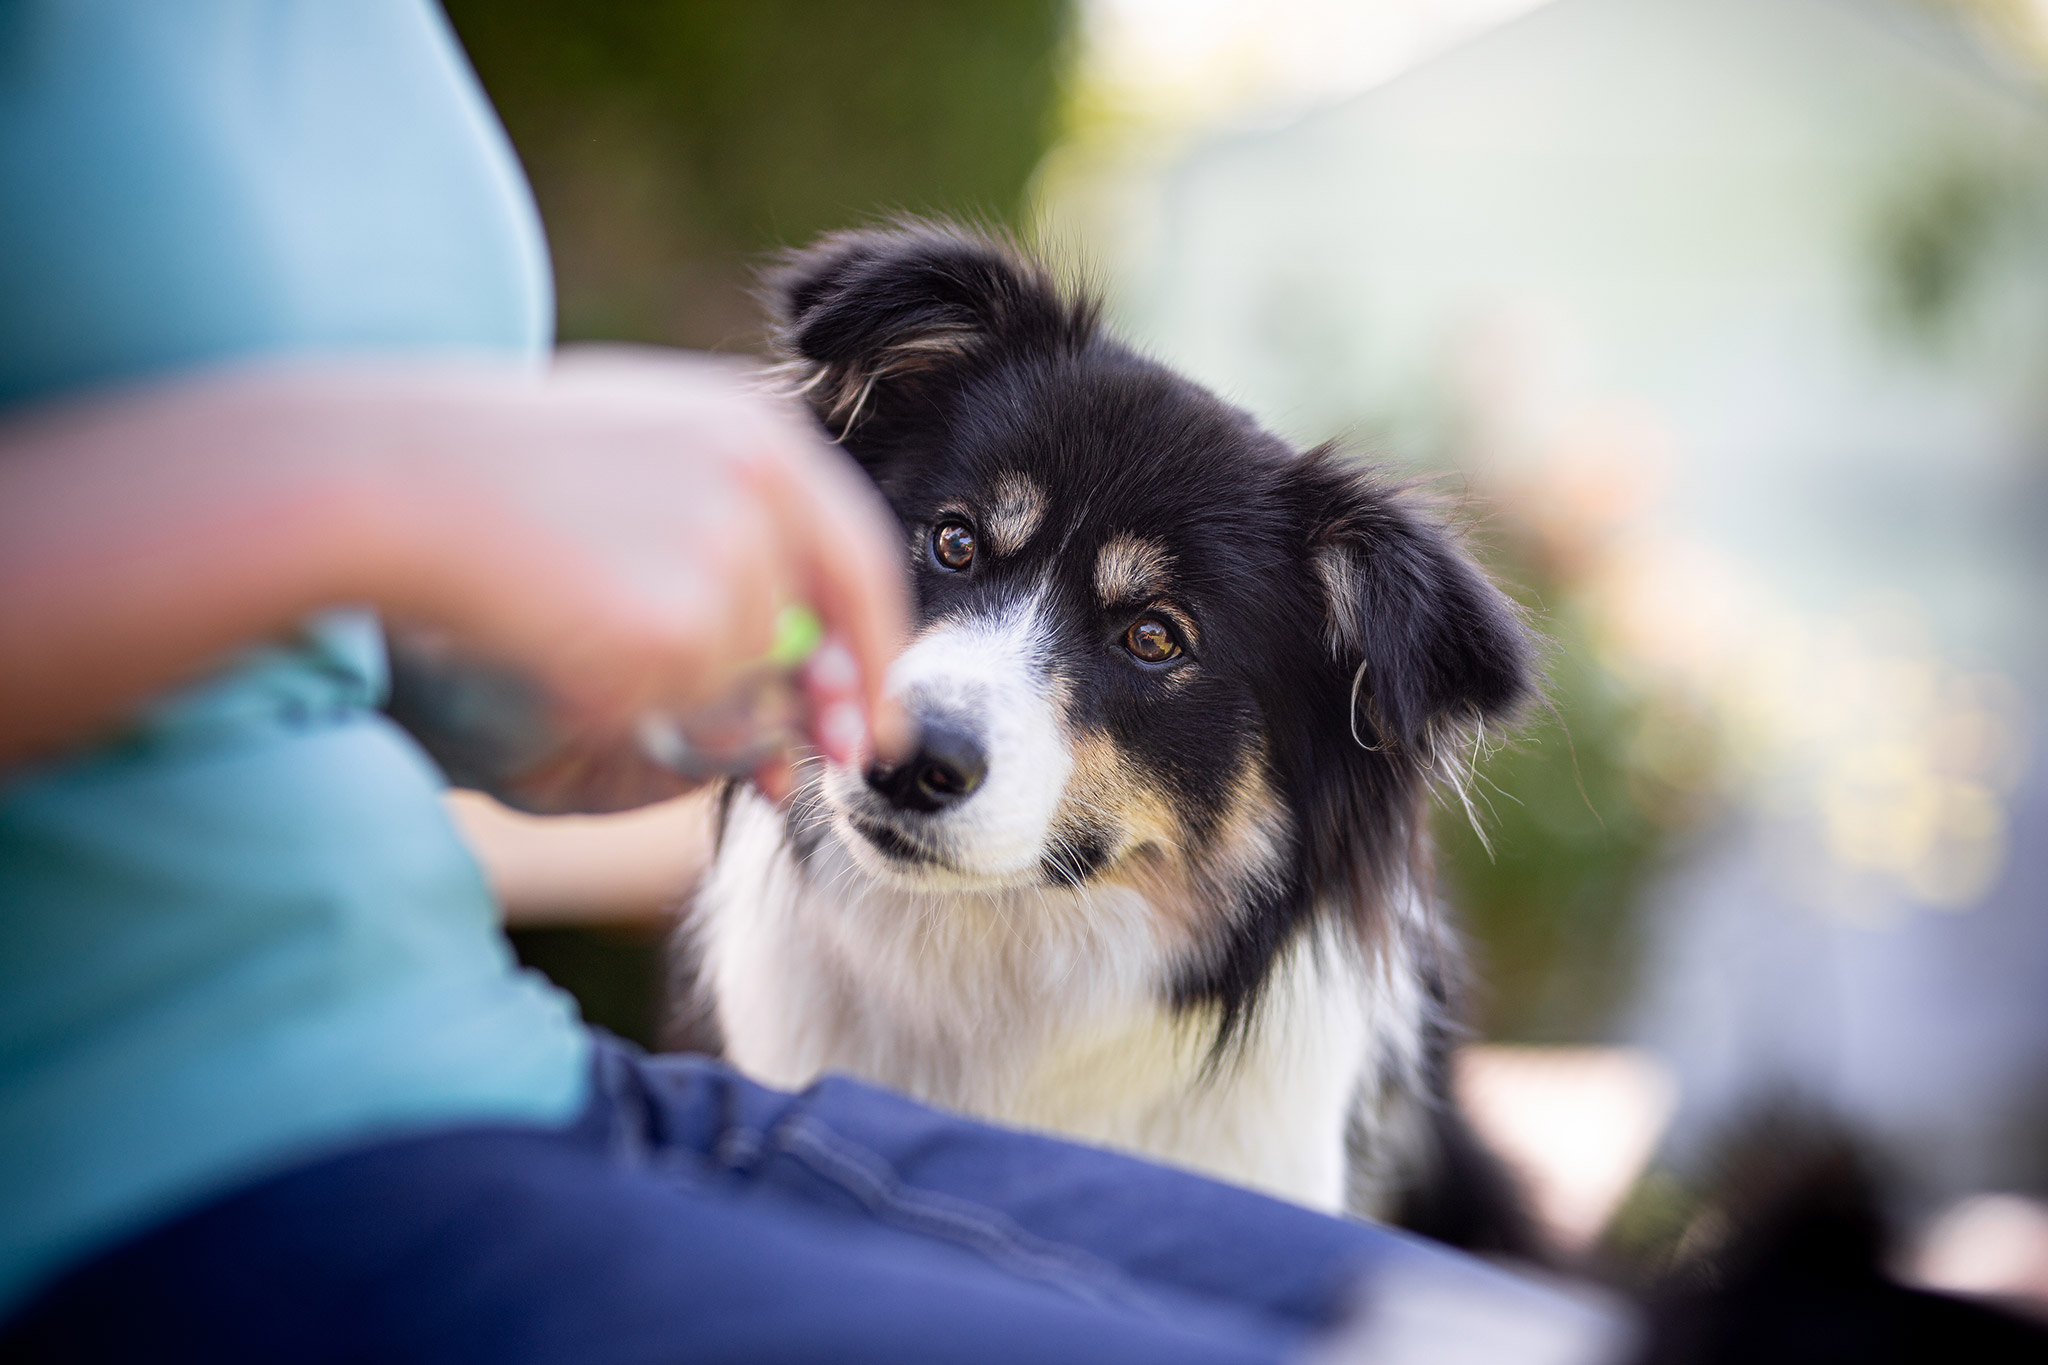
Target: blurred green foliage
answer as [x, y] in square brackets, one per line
[617, 974]
[1579, 812]
[1933, 241]
[673, 143]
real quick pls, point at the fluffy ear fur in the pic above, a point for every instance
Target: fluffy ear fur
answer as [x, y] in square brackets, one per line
[1437, 649]
[871, 310]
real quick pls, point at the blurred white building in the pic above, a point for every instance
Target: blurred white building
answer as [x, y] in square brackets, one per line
[1751, 296]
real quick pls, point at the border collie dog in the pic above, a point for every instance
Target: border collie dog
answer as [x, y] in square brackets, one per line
[1157, 876]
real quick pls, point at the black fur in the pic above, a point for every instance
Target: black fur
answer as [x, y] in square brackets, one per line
[1801, 1274]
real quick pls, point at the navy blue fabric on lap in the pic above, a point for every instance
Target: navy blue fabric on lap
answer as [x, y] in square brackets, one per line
[694, 1216]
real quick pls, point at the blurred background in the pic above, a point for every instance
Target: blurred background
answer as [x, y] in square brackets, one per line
[1723, 323]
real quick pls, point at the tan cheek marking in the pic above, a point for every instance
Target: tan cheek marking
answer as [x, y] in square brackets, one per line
[1131, 569]
[1107, 788]
[1014, 513]
[1195, 897]
[1190, 888]
[1107, 793]
[1251, 840]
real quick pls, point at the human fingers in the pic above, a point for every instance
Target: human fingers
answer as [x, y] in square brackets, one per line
[687, 489]
[699, 571]
[720, 507]
[844, 540]
[738, 554]
[831, 682]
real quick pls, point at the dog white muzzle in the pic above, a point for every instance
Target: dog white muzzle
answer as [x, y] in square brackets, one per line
[974, 804]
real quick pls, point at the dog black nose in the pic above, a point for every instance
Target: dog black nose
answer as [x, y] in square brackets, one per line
[947, 767]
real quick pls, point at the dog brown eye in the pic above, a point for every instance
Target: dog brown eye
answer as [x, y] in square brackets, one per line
[1151, 641]
[953, 546]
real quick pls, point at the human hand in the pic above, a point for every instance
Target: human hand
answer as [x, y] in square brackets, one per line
[620, 529]
[691, 511]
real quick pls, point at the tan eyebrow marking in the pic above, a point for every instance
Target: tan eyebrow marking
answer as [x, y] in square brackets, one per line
[1014, 513]
[1128, 569]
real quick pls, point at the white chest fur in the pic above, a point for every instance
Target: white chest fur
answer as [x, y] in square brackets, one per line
[1045, 1008]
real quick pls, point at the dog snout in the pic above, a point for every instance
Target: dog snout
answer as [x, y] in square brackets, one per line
[946, 769]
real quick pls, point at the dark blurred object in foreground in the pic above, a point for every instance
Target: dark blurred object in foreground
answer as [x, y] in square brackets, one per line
[1790, 1261]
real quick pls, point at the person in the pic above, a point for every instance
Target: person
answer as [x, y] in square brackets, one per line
[274, 368]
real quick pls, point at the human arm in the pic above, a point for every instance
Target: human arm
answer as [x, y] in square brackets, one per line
[620, 528]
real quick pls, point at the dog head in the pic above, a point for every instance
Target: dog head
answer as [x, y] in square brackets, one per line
[1155, 645]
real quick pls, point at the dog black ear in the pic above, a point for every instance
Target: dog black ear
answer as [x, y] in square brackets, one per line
[1434, 647]
[880, 308]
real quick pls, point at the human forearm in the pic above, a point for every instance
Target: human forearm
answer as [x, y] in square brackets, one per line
[622, 530]
[143, 537]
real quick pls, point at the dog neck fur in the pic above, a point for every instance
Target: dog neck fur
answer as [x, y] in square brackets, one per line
[1045, 1007]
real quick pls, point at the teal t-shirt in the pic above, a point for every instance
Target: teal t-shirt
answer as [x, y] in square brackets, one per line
[243, 933]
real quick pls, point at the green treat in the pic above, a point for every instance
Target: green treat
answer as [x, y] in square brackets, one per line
[798, 633]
